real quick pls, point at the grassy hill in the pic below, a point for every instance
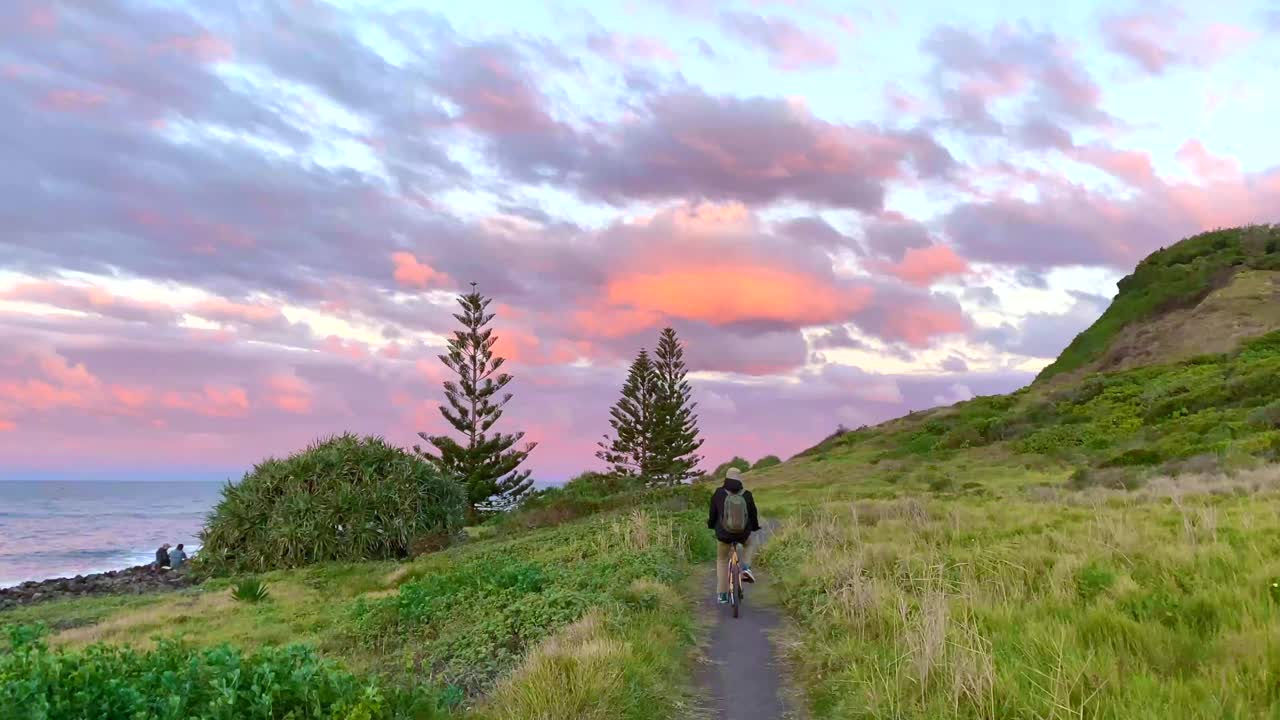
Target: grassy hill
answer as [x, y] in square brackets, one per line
[1100, 544]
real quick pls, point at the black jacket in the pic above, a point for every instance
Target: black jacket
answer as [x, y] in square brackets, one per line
[717, 506]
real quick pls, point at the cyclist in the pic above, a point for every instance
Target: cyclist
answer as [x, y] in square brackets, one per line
[733, 517]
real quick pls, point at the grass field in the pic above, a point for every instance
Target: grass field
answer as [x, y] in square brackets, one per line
[1032, 602]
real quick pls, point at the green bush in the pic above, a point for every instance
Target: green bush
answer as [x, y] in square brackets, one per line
[1135, 457]
[767, 461]
[173, 682]
[346, 498]
[737, 462]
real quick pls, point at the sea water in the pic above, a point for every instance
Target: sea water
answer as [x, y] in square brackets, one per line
[52, 529]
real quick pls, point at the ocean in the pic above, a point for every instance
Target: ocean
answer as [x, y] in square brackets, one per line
[52, 529]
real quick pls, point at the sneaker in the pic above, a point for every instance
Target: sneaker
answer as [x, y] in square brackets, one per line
[747, 576]
[724, 598]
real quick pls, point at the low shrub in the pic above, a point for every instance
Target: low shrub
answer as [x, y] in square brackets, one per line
[250, 590]
[174, 682]
[1134, 458]
[1115, 478]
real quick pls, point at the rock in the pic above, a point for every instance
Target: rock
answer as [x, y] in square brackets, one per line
[129, 581]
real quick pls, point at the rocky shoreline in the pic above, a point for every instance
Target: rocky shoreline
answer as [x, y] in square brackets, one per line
[129, 581]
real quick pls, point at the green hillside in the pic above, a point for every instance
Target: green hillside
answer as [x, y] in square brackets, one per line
[1101, 544]
[1167, 402]
[1178, 279]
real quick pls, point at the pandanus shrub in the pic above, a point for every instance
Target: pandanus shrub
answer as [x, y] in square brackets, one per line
[347, 498]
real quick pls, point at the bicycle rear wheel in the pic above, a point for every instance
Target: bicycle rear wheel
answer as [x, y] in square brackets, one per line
[735, 587]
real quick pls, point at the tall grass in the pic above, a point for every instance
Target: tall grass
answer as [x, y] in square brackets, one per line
[1100, 605]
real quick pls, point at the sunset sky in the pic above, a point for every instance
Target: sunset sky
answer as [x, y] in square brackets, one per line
[227, 228]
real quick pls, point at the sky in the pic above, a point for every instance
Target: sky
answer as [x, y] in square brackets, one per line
[228, 229]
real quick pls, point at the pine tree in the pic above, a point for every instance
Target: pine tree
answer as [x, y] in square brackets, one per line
[485, 463]
[630, 450]
[675, 427]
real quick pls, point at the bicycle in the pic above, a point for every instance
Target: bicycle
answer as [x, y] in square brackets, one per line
[735, 579]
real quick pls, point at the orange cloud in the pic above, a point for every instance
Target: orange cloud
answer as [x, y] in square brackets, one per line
[7, 425]
[614, 322]
[739, 293]
[924, 266]
[515, 345]
[411, 273]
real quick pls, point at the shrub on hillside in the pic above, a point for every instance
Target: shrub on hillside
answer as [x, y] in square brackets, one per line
[741, 463]
[767, 461]
[346, 498]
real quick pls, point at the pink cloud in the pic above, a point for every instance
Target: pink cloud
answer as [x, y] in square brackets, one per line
[917, 325]
[790, 47]
[1132, 166]
[409, 272]
[1158, 39]
[1206, 165]
[42, 17]
[289, 393]
[8, 426]
[212, 401]
[346, 348]
[72, 101]
[223, 310]
[89, 299]
[203, 47]
[924, 266]
[621, 47]
[131, 398]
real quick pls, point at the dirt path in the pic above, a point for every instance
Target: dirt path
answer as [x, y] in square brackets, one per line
[743, 680]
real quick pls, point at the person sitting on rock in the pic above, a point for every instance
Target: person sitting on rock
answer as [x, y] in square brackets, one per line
[177, 557]
[162, 557]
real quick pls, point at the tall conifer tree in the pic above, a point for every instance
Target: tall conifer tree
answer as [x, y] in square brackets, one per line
[675, 427]
[630, 450]
[487, 464]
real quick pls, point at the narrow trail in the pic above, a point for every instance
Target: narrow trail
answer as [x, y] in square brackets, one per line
[743, 680]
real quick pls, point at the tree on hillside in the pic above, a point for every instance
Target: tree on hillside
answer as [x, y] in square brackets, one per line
[486, 464]
[675, 427]
[630, 450]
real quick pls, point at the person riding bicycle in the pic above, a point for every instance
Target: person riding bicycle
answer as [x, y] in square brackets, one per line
[733, 517]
